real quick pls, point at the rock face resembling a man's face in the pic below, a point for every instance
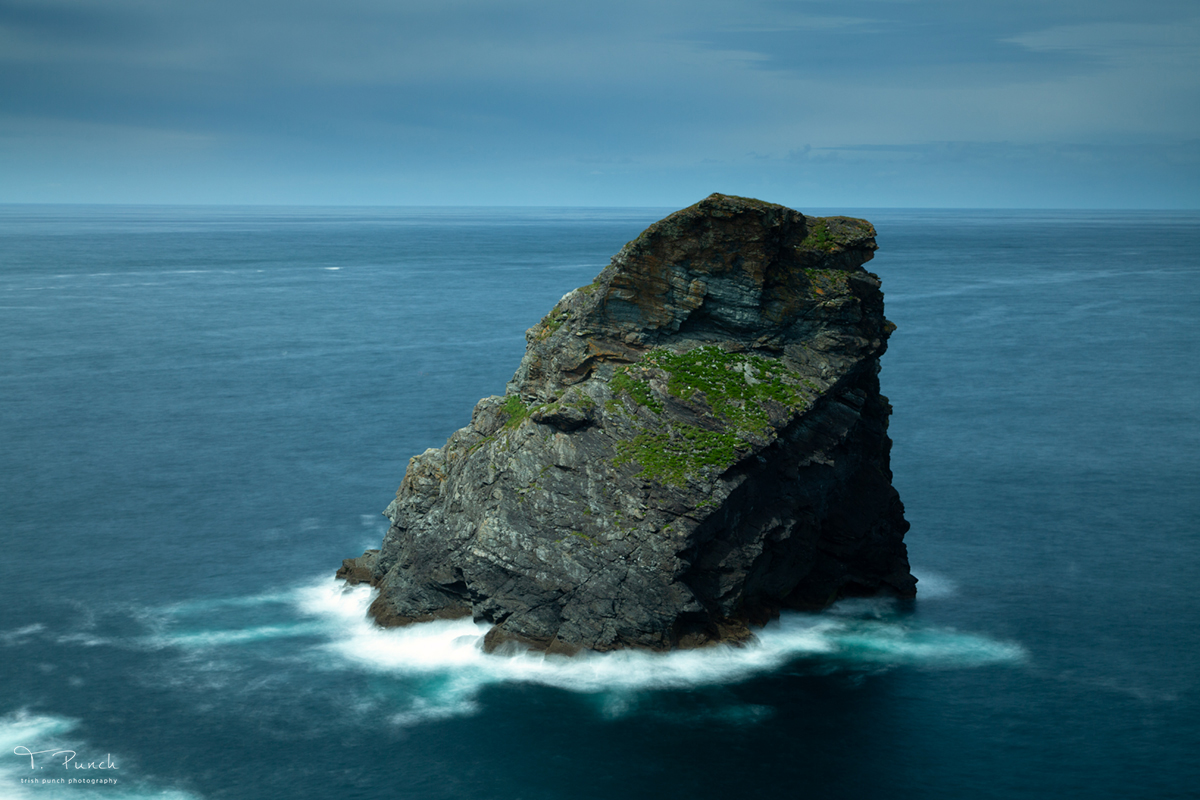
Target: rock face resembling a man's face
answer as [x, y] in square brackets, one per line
[692, 442]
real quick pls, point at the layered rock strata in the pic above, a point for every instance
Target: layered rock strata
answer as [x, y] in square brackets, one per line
[691, 442]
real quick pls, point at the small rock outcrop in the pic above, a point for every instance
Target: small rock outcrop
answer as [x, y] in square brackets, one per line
[691, 442]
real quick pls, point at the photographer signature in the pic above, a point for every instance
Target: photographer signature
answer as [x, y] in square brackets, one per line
[68, 758]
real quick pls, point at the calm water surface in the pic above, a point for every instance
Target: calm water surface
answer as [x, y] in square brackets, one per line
[203, 411]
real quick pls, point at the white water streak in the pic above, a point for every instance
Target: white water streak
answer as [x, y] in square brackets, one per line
[438, 669]
[853, 633]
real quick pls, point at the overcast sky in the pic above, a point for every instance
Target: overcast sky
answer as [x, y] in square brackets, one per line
[856, 103]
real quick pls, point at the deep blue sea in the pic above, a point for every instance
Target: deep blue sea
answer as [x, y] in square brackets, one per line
[203, 410]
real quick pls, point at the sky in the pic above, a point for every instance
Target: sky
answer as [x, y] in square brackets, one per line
[855, 103]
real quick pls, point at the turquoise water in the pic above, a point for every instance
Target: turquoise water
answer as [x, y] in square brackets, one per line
[204, 410]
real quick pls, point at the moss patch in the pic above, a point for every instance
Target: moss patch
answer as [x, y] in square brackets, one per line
[735, 386]
[819, 237]
[517, 411]
[831, 234]
[683, 450]
[638, 390]
[552, 322]
[577, 399]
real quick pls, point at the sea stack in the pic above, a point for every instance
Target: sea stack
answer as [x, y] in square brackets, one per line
[692, 442]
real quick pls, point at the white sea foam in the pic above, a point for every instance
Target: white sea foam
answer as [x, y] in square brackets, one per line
[222, 621]
[84, 639]
[448, 654]
[24, 736]
[17, 635]
[210, 603]
[259, 633]
[438, 669]
[23, 727]
[932, 586]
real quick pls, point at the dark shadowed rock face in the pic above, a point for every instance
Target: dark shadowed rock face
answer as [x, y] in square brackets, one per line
[692, 442]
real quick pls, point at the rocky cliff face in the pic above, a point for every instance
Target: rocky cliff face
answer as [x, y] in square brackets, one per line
[692, 442]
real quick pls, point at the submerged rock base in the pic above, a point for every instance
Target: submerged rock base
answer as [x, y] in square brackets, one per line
[692, 442]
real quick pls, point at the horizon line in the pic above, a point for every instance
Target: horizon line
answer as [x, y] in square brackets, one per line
[531, 206]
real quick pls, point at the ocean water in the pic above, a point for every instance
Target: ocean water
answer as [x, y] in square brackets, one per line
[203, 410]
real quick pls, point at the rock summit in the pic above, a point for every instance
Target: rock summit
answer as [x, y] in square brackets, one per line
[692, 442]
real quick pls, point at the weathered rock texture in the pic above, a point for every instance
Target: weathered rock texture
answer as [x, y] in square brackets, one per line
[691, 442]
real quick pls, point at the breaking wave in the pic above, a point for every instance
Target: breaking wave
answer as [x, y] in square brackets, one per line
[852, 631]
[438, 670]
[448, 654]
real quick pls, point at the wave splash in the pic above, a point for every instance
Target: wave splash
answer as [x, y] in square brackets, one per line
[438, 670]
[447, 659]
[856, 631]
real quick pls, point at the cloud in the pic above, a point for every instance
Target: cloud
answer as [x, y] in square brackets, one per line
[1174, 45]
[343, 93]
